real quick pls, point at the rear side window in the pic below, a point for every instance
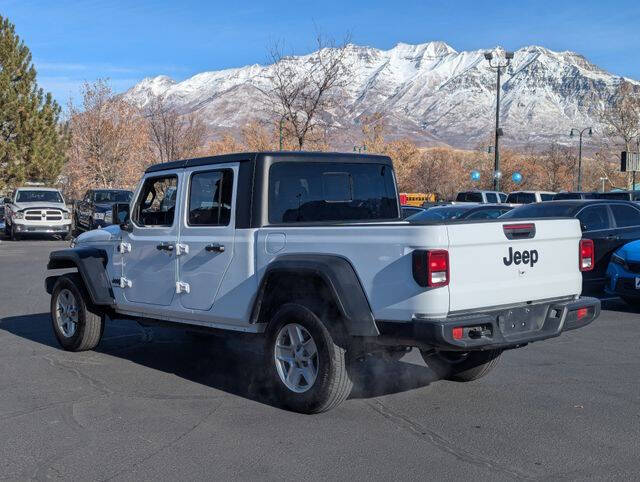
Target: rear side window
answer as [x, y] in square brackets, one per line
[327, 191]
[516, 198]
[469, 197]
[618, 195]
[156, 204]
[546, 197]
[491, 197]
[503, 197]
[566, 195]
[210, 198]
[625, 215]
[594, 218]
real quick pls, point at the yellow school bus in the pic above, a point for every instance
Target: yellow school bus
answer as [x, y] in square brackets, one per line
[416, 198]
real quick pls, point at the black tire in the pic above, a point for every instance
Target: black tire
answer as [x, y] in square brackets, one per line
[13, 234]
[332, 384]
[462, 366]
[631, 300]
[90, 322]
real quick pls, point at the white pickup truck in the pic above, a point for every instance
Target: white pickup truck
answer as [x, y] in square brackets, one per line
[308, 250]
[36, 210]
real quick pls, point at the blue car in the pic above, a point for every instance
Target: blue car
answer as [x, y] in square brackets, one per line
[623, 273]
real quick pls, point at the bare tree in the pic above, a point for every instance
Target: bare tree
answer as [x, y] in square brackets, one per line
[301, 90]
[109, 141]
[622, 116]
[173, 135]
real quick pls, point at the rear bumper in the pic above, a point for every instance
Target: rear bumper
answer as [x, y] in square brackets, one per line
[500, 328]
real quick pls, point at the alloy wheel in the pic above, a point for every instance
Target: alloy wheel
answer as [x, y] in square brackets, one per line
[296, 357]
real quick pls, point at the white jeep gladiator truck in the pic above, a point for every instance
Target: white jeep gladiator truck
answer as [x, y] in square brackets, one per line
[36, 210]
[308, 251]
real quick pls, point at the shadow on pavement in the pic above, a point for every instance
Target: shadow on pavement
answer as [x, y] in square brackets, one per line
[620, 305]
[233, 365]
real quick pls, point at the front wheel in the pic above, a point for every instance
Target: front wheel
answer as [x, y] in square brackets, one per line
[307, 367]
[77, 325]
[13, 234]
[461, 366]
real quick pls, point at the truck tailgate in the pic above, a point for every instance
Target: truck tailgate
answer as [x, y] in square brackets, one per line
[489, 269]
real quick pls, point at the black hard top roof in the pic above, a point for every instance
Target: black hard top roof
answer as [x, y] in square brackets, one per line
[272, 156]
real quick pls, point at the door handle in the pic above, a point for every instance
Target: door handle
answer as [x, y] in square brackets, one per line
[612, 237]
[218, 248]
[164, 247]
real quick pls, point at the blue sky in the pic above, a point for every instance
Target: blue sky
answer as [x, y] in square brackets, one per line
[76, 40]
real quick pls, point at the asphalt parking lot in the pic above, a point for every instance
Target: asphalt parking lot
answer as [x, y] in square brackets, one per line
[157, 404]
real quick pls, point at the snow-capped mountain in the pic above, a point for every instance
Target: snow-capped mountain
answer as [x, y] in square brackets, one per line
[428, 92]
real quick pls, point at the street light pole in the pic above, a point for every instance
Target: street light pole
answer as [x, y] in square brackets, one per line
[498, 66]
[603, 179]
[579, 187]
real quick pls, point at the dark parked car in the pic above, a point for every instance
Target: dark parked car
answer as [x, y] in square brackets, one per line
[406, 211]
[620, 195]
[461, 211]
[610, 224]
[576, 195]
[94, 210]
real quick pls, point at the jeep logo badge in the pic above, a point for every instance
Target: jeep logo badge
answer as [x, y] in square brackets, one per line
[518, 257]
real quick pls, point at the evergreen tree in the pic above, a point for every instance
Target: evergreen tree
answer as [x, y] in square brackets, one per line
[32, 140]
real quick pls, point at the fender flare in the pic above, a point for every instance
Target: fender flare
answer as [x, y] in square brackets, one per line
[341, 279]
[91, 265]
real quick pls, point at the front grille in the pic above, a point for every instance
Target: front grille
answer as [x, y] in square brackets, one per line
[43, 215]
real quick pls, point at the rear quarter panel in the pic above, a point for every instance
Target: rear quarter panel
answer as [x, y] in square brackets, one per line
[381, 256]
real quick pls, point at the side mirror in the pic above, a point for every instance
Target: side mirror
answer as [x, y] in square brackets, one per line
[7, 200]
[120, 215]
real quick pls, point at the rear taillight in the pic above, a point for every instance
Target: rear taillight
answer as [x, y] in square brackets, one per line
[587, 255]
[431, 268]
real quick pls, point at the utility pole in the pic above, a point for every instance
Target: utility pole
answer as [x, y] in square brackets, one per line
[579, 187]
[498, 66]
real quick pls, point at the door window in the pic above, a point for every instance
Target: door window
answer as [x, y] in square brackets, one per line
[625, 215]
[491, 197]
[594, 218]
[210, 198]
[156, 204]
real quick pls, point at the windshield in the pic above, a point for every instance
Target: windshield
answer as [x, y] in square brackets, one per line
[541, 210]
[112, 196]
[439, 213]
[39, 196]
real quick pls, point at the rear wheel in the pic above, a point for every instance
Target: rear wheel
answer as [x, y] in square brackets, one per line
[14, 235]
[307, 367]
[78, 326]
[461, 366]
[633, 301]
